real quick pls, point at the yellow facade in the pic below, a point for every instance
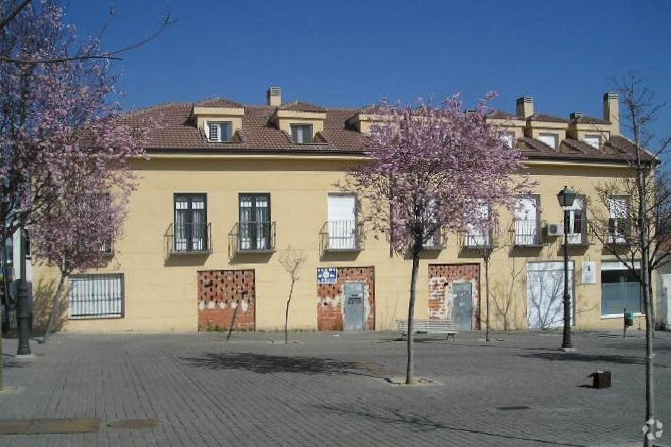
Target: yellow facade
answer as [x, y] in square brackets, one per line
[161, 289]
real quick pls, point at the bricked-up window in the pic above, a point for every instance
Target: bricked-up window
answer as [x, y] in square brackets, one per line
[301, 133]
[255, 222]
[96, 296]
[190, 222]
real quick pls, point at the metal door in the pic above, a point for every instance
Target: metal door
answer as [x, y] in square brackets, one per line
[462, 306]
[545, 294]
[355, 315]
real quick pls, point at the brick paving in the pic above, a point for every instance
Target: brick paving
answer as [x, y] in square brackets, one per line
[328, 390]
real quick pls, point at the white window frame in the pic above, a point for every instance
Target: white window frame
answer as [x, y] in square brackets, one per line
[508, 138]
[574, 238]
[211, 125]
[545, 137]
[618, 208]
[302, 127]
[590, 139]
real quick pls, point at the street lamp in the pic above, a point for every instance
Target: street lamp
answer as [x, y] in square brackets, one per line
[566, 198]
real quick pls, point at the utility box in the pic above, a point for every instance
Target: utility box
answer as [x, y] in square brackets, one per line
[601, 379]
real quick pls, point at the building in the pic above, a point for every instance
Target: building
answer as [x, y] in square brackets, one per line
[227, 187]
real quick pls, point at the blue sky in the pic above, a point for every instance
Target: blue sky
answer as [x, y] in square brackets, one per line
[352, 53]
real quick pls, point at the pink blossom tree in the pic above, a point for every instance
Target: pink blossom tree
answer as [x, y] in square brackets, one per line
[429, 171]
[60, 126]
[78, 233]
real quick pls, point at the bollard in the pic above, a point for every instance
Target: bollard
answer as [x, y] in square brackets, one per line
[601, 379]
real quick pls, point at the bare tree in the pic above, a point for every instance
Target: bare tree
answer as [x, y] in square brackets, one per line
[292, 261]
[634, 226]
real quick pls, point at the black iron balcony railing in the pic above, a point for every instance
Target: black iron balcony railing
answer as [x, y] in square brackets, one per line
[477, 240]
[619, 232]
[341, 235]
[189, 238]
[526, 233]
[252, 237]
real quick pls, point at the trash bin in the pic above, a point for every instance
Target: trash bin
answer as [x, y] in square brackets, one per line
[601, 379]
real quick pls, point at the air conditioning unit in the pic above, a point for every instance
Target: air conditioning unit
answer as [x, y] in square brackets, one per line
[555, 229]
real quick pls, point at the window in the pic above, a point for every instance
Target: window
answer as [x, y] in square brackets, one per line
[96, 296]
[620, 289]
[219, 131]
[434, 241]
[476, 235]
[618, 222]
[593, 140]
[550, 139]
[508, 138]
[342, 222]
[527, 220]
[190, 222]
[301, 133]
[577, 222]
[255, 224]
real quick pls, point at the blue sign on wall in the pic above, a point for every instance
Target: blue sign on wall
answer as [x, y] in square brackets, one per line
[327, 275]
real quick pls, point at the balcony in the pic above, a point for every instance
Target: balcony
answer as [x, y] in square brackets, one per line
[188, 239]
[252, 237]
[479, 240]
[526, 233]
[341, 236]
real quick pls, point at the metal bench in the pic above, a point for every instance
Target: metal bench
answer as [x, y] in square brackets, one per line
[428, 327]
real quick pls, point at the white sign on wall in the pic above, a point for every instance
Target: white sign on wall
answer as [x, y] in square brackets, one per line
[589, 272]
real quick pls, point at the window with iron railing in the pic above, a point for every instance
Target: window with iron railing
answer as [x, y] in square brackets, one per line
[577, 223]
[190, 229]
[255, 226]
[619, 227]
[526, 224]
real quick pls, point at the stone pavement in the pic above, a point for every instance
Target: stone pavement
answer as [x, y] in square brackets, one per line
[328, 390]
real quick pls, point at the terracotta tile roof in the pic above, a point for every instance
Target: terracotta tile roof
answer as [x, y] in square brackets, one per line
[584, 119]
[302, 107]
[502, 115]
[219, 102]
[175, 130]
[547, 118]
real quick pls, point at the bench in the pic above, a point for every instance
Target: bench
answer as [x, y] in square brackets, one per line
[428, 327]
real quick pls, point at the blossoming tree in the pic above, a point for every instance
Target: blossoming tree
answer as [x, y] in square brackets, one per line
[430, 169]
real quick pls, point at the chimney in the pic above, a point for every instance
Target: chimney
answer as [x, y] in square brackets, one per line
[275, 96]
[611, 110]
[525, 106]
[575, 116]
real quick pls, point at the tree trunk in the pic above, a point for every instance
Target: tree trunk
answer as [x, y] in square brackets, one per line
[55, 308]
[487, 298]
[286, 314]
[410, 372]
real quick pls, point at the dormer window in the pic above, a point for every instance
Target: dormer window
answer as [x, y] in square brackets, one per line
[508, 138]
[219, 131]
[594, 141]
[550, 139]
[301, 133]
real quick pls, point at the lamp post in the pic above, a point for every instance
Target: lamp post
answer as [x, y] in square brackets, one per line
[24, 308]
[566, 198]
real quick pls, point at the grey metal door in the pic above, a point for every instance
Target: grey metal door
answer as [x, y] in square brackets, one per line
[462, 306]
[354, 306]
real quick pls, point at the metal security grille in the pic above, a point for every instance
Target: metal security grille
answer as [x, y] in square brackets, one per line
[96, 296]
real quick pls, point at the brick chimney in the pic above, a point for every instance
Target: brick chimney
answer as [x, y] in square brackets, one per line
[274, 96]
[525, 106]
[611, 110]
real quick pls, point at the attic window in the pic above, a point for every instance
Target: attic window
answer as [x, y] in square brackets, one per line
[550, 139]
[301, 133]
[593, 140]
[219, 131]
[508, 138]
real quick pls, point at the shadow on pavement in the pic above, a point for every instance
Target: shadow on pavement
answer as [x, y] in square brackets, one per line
[268, 364]
[591, 358]
[422, 424]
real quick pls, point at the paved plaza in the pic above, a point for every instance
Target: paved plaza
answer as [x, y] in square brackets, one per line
[329, 389]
